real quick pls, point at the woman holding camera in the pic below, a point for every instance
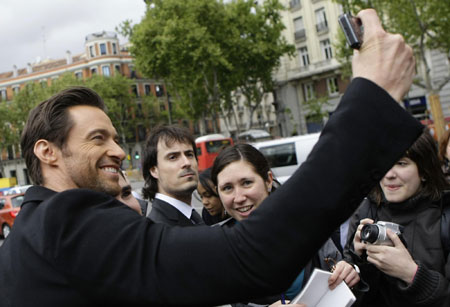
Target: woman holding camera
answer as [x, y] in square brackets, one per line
[413, 268]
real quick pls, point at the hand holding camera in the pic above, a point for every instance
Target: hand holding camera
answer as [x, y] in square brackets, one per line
[395, 260]
[385, 249]
[383, 58]
[358, 244]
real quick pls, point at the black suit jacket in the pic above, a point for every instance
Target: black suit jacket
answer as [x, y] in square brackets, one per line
[84, 248]
[163, 212]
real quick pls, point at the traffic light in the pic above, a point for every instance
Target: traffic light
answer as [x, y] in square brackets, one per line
[136, 155]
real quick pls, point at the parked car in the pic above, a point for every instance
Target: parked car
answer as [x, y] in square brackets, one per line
[254, 135]
[9, 208]
[285, 155]
[16, 190]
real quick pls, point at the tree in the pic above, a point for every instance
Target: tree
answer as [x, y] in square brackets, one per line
[315, 109]
[205, 49]
[115, 91]
[425, 26]
[258, 47]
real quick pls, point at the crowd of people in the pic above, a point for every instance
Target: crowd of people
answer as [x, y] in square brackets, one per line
[83, 239]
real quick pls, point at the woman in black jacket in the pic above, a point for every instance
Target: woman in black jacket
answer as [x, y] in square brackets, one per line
[411, 269]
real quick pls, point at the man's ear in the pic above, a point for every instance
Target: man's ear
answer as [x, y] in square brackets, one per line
[46, 151]
[154, 172]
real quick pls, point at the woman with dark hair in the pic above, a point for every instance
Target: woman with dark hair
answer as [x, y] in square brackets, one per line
[243, 180]
[213, 212]
[444, 153]
[411, 269]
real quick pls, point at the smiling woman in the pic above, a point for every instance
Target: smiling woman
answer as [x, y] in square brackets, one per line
[413, 270]
[243, 179]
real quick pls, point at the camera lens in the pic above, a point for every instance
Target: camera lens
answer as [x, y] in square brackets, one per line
[369, 233]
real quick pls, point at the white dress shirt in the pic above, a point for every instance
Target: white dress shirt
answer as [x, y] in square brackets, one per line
[179, 205]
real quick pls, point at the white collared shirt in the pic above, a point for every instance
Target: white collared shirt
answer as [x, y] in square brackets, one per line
[179, 205]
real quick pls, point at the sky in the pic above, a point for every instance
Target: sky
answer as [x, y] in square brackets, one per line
[48, 28]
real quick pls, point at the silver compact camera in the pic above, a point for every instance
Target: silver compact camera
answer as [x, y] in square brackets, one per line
[376, 233]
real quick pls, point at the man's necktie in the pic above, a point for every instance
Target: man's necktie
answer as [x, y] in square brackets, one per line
[196, 218]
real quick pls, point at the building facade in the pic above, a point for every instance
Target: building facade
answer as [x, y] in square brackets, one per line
[312, 26]
[314, 73]
[103, 55]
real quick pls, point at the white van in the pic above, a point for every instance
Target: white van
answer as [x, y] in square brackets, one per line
[285, 155]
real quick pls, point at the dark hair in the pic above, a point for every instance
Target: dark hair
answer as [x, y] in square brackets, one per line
[50, 121]
[205, 180]
[170, 134]
[239, 152]
[443, 142]
[425, 154]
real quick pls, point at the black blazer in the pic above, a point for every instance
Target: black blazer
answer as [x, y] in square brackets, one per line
[84, 248]
[163, 212]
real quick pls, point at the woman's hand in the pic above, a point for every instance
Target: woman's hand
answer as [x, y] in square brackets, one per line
[357, 244]
[394, 261]
[343, 272]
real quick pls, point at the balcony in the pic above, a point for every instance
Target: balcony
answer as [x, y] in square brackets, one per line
[300, 35]
[322, 27]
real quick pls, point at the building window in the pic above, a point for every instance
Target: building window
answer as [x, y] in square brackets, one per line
[117, 68]
[91, 51]
[299, 29]
[147, 89]
[93, 70]
[79, 75]
[326, 49]
[106, 71]
[134, 89]
[294, 4]
[103, 49]
[132, 72]
[321, 20]
[304, 57]
[3, 95]
[114, 48]
[332, 86]
[308, 91]
[16, 89]
[159, 90]
[43, 83]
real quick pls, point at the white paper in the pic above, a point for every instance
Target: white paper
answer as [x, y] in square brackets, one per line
[316, 293]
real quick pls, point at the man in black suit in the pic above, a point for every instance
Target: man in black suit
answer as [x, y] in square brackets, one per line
[74, 244]
[171, 175]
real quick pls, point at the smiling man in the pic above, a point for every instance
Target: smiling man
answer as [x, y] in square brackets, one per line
[170, 173]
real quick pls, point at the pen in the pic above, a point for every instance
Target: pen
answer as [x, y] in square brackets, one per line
[282, 299]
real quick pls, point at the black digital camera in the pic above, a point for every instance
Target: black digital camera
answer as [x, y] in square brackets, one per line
[376, 233]
[353, 30]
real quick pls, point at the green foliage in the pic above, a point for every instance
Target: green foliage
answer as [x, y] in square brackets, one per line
[423, 23]
[315, 108]
[205, 49]
[343, 55]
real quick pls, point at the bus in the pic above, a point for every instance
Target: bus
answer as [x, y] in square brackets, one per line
[208, 147]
